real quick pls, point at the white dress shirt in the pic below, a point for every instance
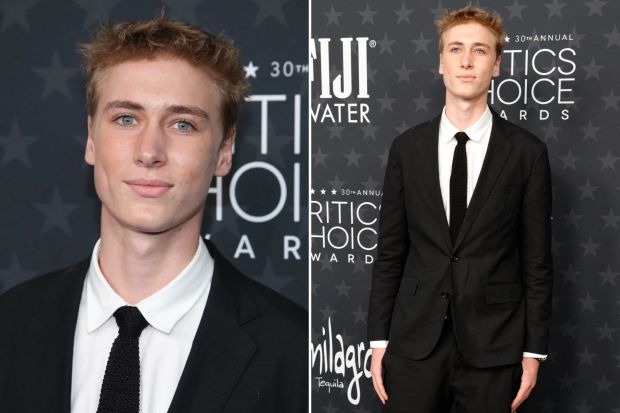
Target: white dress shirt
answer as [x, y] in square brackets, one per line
[173, 314]
[479, 134]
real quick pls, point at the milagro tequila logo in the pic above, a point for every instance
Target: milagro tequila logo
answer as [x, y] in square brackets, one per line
[338, 364]
[342, 86]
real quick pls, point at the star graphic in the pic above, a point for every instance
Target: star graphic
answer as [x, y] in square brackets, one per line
[592, 70]
[403, 73]
[569, 329]
[515, 10]
[15, 145]
[333, 192]
[369, 131]
[386, 102]
[385, 45]
[370, 184]
[507, 39]
[421, 43]
[332, 16]
[569, 160]
[323, 192]
[421, 102]
[608, 276]
[96, 11]
[572, 218]
[590, 131]
[576, 42]
[551, 131]
[359, 315]
[14, 274]
[585, 357]
[590, 247]
[336, 183]
[319, 157]
[583, 407]
[56, 213]
[595, 6]
[403, 14]
[371, 73]
[329, 408]
[611, 220]
[555, 9]
[606, 332]
[368, 15]
[611, 101]
[353, 158]
[402, 128]
[570, 274]
[15, 12]
[250, 70]
[56, 77]
[269, 8]
[603, 385]
[587, 303]
[609, 161]
[335, 131]
[613, 37]
[438, 11]
[587, 190]
[327, 312]
[343, 289]
[567, 382]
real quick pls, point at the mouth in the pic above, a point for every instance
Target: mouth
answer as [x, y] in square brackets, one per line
[149, 188]
[466, 78]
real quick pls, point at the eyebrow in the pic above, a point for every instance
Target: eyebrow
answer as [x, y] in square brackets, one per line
[177, 109]
[457, 43]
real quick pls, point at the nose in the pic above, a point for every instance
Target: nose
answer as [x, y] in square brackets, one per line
[466, 61]
[150, 147]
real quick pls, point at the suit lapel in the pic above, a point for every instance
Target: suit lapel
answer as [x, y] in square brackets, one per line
[221, 349]
[428, 159]
[497, 153]
[53, 331]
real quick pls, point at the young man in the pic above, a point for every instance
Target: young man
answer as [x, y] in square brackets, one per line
[461, 289]
[156, 320]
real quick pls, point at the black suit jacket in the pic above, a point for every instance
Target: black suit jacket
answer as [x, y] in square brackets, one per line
[249, 353]
[496, 276]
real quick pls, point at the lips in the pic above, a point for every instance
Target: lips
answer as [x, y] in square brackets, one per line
[149, 188]
[466, 78]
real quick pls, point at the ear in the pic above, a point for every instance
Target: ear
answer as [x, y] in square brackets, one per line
[441, 63]
[89, 155]
[496, 66]
[224, 154]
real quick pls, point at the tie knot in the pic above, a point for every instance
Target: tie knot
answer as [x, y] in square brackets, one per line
[130, 321]
[461, 137]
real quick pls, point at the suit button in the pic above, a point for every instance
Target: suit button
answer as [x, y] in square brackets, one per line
[454, 258]
[444, 296]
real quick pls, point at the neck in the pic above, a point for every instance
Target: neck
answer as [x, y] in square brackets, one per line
[137, 265]
[463, 113]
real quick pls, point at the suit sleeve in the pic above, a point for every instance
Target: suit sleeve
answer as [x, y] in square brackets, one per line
[392, 248]
[536, 260]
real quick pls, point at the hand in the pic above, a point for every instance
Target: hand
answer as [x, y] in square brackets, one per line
[376, 373]
[528, 381]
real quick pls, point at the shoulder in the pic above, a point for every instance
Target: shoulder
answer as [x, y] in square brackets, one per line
[521, 136]
[409, 136]
[47, 287]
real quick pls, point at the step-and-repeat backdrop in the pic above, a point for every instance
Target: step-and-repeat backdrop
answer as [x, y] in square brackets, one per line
[377, 63]
[49, 212]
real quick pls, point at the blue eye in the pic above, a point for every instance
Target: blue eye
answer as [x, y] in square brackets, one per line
[184, 126]
[126, 120]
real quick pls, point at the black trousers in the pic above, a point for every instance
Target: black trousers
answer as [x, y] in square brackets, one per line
[445, 382]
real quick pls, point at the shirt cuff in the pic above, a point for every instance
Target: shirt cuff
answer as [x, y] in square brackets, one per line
[379, 344]
[541, 357]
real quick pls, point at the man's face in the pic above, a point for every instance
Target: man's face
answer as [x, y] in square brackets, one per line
[155, 142]
[468, 61]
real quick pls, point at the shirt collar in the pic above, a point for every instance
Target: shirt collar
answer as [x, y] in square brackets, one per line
[162, 309]
[475, 131]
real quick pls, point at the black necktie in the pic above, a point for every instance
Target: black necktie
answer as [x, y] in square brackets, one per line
[458, 185]
[120, 391]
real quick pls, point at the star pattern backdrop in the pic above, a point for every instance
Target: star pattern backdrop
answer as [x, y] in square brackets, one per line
[558, 80]
[49, 212]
